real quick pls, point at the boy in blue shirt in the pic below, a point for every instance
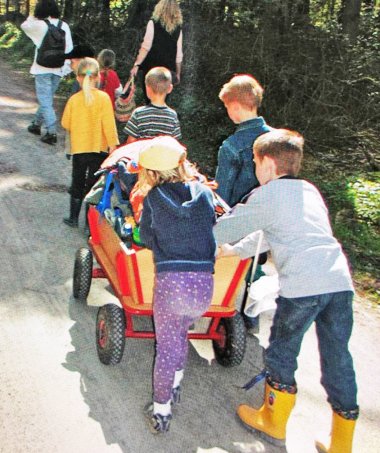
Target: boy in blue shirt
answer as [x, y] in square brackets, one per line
[235, 174]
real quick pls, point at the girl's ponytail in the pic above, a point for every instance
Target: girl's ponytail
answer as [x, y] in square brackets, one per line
[88, 69]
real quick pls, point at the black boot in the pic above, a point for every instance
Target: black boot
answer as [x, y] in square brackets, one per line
[34, 129]
[75, 205]
[50, 139]
[86, 225]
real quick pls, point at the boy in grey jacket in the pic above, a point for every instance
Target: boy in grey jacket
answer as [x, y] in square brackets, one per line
[315, 286]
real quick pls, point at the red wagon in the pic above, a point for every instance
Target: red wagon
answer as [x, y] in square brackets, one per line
[130, 273]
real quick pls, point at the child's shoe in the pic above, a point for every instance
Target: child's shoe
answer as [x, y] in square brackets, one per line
[157, 423]
[34, 129]
[176, 396]
[50, 139]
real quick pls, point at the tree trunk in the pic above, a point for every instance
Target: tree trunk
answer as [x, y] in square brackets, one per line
[68, 10]
[106, 13]
[350, 18]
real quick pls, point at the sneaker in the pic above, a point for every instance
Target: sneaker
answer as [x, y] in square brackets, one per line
[176, 395]
[157, 423]
[34, 129]
[50, 139]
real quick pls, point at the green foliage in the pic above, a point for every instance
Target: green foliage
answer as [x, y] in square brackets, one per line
[354, 206]
[316, 81]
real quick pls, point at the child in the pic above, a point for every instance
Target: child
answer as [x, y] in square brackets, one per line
[176, 224]
[89, 118]
[235, 173]
[109, 80]
[156, 118]
[79, 52]
[315, 286]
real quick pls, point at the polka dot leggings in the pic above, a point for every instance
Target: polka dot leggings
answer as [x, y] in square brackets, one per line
[180, 298]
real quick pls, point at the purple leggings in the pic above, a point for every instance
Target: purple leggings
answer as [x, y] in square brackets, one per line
[180, 298]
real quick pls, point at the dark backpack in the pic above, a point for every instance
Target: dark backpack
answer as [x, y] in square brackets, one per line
[51, 53]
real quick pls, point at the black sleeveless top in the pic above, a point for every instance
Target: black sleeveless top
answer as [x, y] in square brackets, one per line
[164, 49]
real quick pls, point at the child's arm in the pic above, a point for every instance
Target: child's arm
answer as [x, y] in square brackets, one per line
[225, 250]
[246, 248]
[132, 128]
[66, 117]
[177, 129]
[109, 124]
[226, 172]
[131, 139]
[146, 231]
[243, 219]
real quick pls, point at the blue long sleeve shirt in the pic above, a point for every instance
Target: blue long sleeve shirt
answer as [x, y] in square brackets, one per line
[235, 173]
[177, 225]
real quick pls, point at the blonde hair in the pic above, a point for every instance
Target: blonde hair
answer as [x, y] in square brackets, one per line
[106, 59]
[152, 178]
[159, 80]
[243, 89]
[88, 68]
[169, 14]
[284, 146]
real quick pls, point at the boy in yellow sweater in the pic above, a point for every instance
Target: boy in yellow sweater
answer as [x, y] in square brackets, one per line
[89, 117]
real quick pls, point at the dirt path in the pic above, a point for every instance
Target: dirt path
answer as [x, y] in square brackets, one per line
[54, 393]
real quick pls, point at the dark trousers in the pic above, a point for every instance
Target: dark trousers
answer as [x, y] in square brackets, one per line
[85, 165]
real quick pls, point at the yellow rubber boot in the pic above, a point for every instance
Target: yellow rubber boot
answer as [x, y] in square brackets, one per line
[342, 434]
[270, 420]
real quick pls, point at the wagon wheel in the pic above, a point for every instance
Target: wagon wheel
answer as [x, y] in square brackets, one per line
[82, 273]
[230, 349]
[110, 334]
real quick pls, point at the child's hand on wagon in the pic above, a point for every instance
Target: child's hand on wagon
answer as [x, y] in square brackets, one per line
[225, 250]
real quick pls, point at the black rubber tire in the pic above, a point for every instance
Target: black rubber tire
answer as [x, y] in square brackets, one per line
[82, 273]
[231, 353]
[110, 334]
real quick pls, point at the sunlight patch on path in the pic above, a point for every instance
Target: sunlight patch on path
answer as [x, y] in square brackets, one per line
[7, 101]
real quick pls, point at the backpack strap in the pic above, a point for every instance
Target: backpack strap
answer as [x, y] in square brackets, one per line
[47, 22]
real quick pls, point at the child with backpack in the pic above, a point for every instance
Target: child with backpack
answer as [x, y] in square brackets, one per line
[176, 224]
[109, 80]
[52, 38]
[89, 118]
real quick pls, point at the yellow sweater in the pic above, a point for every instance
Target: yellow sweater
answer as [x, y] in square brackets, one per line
[92, 128]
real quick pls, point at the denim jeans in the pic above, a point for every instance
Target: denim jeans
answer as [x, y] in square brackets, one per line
[46, 86]
[332, 314]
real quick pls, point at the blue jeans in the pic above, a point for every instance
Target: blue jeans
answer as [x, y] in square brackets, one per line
[46, 86]
[332, 314]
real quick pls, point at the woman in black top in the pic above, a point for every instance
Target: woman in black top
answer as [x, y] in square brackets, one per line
[162, 44]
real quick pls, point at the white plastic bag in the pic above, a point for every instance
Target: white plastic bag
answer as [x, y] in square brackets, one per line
[262, 295]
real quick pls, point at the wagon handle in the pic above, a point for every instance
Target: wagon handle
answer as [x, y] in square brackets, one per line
[257, 254]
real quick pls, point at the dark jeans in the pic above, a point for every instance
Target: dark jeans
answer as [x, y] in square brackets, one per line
[85, 165]
[332, 314]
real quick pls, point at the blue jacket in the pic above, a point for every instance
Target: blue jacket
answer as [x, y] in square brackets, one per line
[235, 173]
[176, 224]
